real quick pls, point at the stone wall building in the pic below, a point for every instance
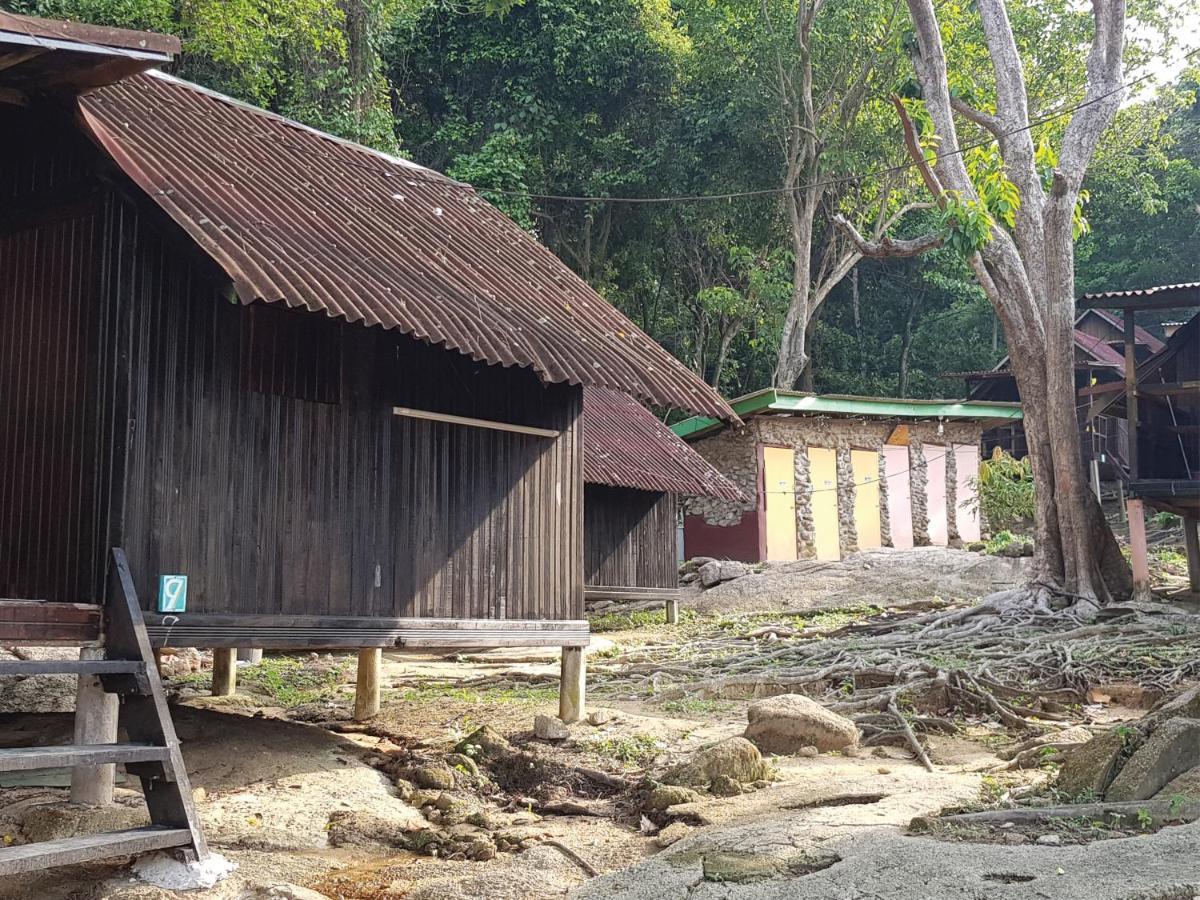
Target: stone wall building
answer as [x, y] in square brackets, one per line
[824, 476]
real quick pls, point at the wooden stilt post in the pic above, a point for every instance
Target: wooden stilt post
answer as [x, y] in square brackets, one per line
[95, 723]
[1138, 552]
[366, 690]
[673, 611]
[224, 676]
[1095, 471]
[252, 655]
[571, 689]
[1191, 540]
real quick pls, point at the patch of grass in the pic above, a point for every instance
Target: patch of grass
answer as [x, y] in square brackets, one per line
[1169, 556]
[633, 750]
[833, 619]
[693, 706]
[531, 694]
[292, 682]
[642, 618]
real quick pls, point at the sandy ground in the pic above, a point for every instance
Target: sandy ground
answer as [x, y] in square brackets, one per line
[271, 779]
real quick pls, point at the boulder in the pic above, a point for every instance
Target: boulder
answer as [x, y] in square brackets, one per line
[484, 741]
[790, 722]
[674, 832]
[664, 796]
[1087, 770]
[725, 786]
[1186, 785]
[600, 717]
[1171, 750]
[1182, 706]
[735, 757]
[434, 776]
[718, 570]
[548, 728]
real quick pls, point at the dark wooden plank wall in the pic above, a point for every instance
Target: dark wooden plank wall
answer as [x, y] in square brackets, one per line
[274, 504]
[629, 538]
[53, 455]
[123, 363]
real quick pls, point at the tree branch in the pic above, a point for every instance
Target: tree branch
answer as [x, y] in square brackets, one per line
[979, 117]
[886, 247]
[1103, 95]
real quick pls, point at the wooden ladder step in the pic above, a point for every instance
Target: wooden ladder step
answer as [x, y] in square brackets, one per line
[73, 850]
[24, 758]
[72, 667]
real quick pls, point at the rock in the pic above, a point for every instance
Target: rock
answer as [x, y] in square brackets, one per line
[1052, 840]
[51, 821]
[404, 789]
[735, 757]
[676, 831]
[1186, 785]
[1014, 837]
[689, 577]
[809, 752]
[484, 741]
[549, 728]
[600, 717]
[789, 722]
[1087, 769]
[288, 892]
[1171, 750]
[434, 776]
[423, 798]
[179, 661]
[725, 786]
[664, 796]
[977, 546]
[1185, 706]
[717, 571]
[462, 762]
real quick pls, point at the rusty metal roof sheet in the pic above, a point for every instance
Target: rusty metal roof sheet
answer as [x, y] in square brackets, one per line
[1140, 334]
[83, 33]
[624, 445]
[299, 217]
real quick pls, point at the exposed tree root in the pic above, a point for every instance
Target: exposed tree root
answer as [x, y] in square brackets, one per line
[1023, 658]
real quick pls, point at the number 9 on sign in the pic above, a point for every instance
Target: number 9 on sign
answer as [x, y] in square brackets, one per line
[172, 593]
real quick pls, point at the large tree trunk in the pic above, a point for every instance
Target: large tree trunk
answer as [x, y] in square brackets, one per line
[793, 342]
[1028, 275]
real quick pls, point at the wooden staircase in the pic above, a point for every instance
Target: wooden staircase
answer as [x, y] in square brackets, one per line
[151, 753]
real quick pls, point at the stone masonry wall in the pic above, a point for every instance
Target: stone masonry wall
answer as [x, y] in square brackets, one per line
[734, 451]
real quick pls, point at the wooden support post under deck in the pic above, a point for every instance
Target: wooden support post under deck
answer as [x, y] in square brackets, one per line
[673, 611]
[1191, 540]
[252, 655]
[95, 723]
[571, 689]
[366, 690]
[224, 676]
[1138, 553]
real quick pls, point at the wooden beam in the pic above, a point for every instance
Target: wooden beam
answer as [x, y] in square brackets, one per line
[1171, 389]
[42, 623]
[224, 671]
[1131, 403]
[474, 423]
[1191, 541]
[95, 723]
[9, 60]
[366, 690]
[572, 696]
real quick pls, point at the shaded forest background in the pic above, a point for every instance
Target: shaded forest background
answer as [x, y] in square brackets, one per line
[628, 100]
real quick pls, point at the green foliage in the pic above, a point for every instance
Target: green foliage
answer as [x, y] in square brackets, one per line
[1004, 488]
[294, 682]
[695, 706]
[631, 750]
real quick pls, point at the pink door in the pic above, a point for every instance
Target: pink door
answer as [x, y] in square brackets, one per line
[935, 492]
[966, 470]
[899, 496]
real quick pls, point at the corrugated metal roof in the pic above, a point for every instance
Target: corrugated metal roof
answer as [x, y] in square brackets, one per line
[624, 445]
[1181, 288]
[1099, 349]
[298, 217]
[1140, 334]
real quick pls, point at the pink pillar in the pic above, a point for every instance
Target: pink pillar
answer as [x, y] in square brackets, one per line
[1137, 546]
[899, 496]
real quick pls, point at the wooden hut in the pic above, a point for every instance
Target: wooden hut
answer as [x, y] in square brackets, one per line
[319, 396]
[824, 475]
[635, 470]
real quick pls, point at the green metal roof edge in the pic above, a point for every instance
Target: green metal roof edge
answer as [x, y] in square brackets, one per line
[884, 407]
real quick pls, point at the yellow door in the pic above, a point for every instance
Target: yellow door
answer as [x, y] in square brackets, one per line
[866, 499]
[822, 473]
[779, 485]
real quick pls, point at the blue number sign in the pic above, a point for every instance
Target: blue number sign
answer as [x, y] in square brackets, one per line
[172, 593]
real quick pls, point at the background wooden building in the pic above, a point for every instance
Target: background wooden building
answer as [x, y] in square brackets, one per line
[635, 470]
[186, 372]
[826, 475]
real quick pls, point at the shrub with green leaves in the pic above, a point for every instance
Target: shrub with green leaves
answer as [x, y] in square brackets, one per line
[1004, 490]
